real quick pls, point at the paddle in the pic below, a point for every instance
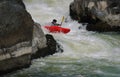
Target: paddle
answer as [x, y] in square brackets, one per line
[62, 20]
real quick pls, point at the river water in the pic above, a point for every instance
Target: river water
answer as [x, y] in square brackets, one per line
[86, 53]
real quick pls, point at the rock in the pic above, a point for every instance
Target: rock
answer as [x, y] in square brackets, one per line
[13, 64]
[16, 31]
[43, 45]
[53, 45]
[16, 25]
[96, 13]
[21, 39]
[51, 48]
[18, 2]
[39, 40]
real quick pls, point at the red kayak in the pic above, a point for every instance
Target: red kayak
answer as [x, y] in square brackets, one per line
[57, 29]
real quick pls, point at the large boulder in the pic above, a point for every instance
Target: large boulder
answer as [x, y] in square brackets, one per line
[21, 38]
[39, 40]
[102, 15]
[16, 31]
[43, 44]
[16, 25]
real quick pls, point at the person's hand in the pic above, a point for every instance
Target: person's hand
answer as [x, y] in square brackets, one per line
[58, 24]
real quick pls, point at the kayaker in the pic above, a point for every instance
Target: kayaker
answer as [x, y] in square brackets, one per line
[54, 23]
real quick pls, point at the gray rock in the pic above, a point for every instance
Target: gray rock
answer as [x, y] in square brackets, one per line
[39, 39]
[21, 39]
[16, 31]
[51, 47]
[97, 11]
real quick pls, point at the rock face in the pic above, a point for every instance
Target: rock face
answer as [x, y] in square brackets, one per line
[16, 31]
[102, 15]
[39, 40]
[14, 20]
[51, 47]
[21, 39]
[43, 45]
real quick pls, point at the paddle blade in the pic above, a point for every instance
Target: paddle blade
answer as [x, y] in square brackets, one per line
[62, 20]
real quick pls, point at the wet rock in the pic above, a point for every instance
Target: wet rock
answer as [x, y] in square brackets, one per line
[16, 31]
[39, 40]
[53, 45]
[96, 13]
[51, 48]
[43, 45]
[21, 38]
[13, 64]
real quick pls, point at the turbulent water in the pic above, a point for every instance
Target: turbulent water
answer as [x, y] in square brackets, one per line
[86, 54]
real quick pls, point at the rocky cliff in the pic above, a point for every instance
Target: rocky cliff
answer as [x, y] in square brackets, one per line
[102, 15]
